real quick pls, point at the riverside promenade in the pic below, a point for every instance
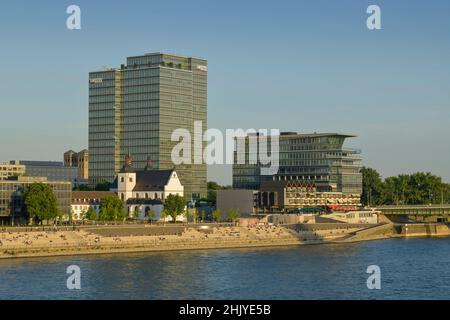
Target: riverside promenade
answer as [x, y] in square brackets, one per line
[35, 242]
[104, 240]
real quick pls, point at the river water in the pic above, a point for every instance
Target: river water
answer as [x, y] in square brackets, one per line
[410, 269]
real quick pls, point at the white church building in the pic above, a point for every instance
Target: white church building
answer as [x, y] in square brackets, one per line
[146, 189]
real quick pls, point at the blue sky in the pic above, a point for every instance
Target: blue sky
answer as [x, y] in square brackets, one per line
[294, 65]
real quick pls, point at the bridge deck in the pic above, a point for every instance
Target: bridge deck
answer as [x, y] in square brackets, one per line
[416, 210]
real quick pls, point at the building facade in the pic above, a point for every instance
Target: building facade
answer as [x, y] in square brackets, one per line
[145, 190]
[135, 108]
[319, 158]
[11, 170]
[12, 209]
[148, 183]
[70, 159]
[82, 201]
[244, 201]
[295, 194]
[52, 170]
[78, 160]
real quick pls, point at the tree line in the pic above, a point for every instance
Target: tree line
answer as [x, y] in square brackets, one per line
[405, 189]
[41, 206]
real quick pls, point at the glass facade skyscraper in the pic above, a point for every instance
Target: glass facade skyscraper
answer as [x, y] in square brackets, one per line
[135, 108]
[319, 158]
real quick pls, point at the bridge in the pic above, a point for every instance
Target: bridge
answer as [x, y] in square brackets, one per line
[416, 213]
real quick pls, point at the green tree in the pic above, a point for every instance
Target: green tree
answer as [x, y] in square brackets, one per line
[372, 186]
[104, 186]
[60, 215]
[415, 189]
[111, 208]
[211, 195]
[163, 216]
[194, 214]
[425, 188]
[40, 202]
[233, 214]
[203, 215]
[189, 216]
[174, 206]
[82, 187]
[150, 214]
[136, 212]
[216, 215]
[91, 214]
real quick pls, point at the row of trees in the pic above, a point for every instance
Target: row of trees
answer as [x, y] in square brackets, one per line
[112, 209]
[415, 189]
[233, 214]
[41, 205]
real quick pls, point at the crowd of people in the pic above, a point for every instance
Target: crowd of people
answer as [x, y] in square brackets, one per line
[86, 238]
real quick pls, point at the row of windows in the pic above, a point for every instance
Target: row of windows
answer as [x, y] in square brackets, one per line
[176, 90]
[140, 81]
[144, 59]
[306, 163]
[176, 74]
[101, 91]
[97, 149]
[131, 105]
[316, 140]
[140, 73]
[102, 121]
[144, 134]
[95, 88]
[140, 89]
[101, 106]
[140, 96]
[310, 155]
[7, 188]
[101, 99]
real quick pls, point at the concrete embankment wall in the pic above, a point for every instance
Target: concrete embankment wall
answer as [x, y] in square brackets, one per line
[145, 247]
[326, 231]
[327, 226]
[425, 230]
[382, 231]
[136, 231]
[123, 230]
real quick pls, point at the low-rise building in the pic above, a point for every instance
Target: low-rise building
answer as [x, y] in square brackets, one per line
[244, 201]
[52, 170]
[82, 201]
[148, 209]
[12, 208]
[286, 195]
[11, 170]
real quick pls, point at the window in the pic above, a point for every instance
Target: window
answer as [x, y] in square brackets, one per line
[122, 179]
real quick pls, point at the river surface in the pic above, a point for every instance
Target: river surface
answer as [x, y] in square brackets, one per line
[410, 269]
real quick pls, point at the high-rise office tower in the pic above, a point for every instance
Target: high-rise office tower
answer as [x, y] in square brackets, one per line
[134, 109]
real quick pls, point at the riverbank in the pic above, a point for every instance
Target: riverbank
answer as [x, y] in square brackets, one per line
[108, 240]
[111, 240]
